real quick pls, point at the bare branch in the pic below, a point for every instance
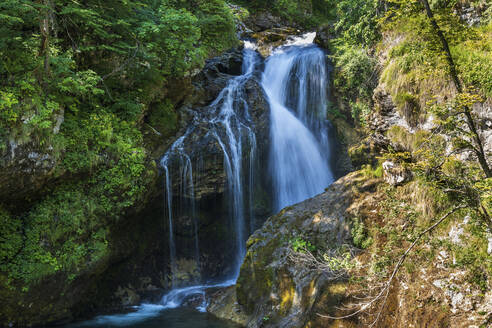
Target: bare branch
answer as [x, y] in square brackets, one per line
[382, 296]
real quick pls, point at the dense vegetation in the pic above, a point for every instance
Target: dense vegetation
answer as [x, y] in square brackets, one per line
[78, 81]
[409, 53]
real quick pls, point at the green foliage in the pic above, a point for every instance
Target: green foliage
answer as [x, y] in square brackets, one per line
[474, 257]
[67, 232]
[64, 233]
[163, 118]
[417, 65]
[360, 111]
[372, 172]
[485, 189]
[359, 234]
[309, 13]
[171, 42]
[96, 55]
[409, 107]
[357, 22]
[452, 119]
[473, 58]
[338, 261]
[83, 86]
[11, 239]
[299, 244]
[355, 78]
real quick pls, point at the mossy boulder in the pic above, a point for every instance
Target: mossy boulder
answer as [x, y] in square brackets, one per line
[273, 290]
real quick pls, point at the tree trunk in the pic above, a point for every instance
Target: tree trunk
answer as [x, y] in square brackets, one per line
[482, 158]
[44, 27]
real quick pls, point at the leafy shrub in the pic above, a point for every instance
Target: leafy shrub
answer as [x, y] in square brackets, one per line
[357, 22]
[338, 262]
[299, 244]
[355, 79]
[359, 234]
[63, 233]
[474, 59]
[11, 240]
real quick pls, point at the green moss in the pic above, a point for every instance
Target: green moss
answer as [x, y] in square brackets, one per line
[163, 118]
[62, 234]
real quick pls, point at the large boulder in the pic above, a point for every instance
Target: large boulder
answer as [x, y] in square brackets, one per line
[275, 290]
[24, 169]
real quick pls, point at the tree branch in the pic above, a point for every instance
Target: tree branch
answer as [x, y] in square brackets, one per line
[384, 292]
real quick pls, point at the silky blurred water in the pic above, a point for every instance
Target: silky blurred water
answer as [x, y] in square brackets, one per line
[295, 81]
[155, 316]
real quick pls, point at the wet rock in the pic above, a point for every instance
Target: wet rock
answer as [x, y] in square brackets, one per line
[127, 296]
[240, 14]
[263, 21]
[324, 35]
[208, 83]
[270, 39]
[201, 155]
[25, 168]
[194, 301]
[225, 306]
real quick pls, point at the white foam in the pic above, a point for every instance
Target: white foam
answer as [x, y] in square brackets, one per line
[303, 40]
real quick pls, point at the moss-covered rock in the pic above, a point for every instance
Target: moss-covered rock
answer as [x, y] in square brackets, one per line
[275, 291]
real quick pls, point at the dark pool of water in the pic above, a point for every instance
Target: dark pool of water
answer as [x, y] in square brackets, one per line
[154, 316]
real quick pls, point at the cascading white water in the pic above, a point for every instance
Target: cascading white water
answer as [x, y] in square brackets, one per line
[295, 81]
[187, 188]
[231, 127]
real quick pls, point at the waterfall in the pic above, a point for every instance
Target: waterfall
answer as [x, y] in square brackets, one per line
[230, 125]
[172, 244]
[295, 81]
[187, 190]
[251, 182]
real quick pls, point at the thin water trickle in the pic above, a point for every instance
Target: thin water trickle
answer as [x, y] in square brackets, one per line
[172, 244]
[231, 127]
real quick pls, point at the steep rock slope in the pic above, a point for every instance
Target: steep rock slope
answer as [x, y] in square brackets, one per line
[354, 233]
